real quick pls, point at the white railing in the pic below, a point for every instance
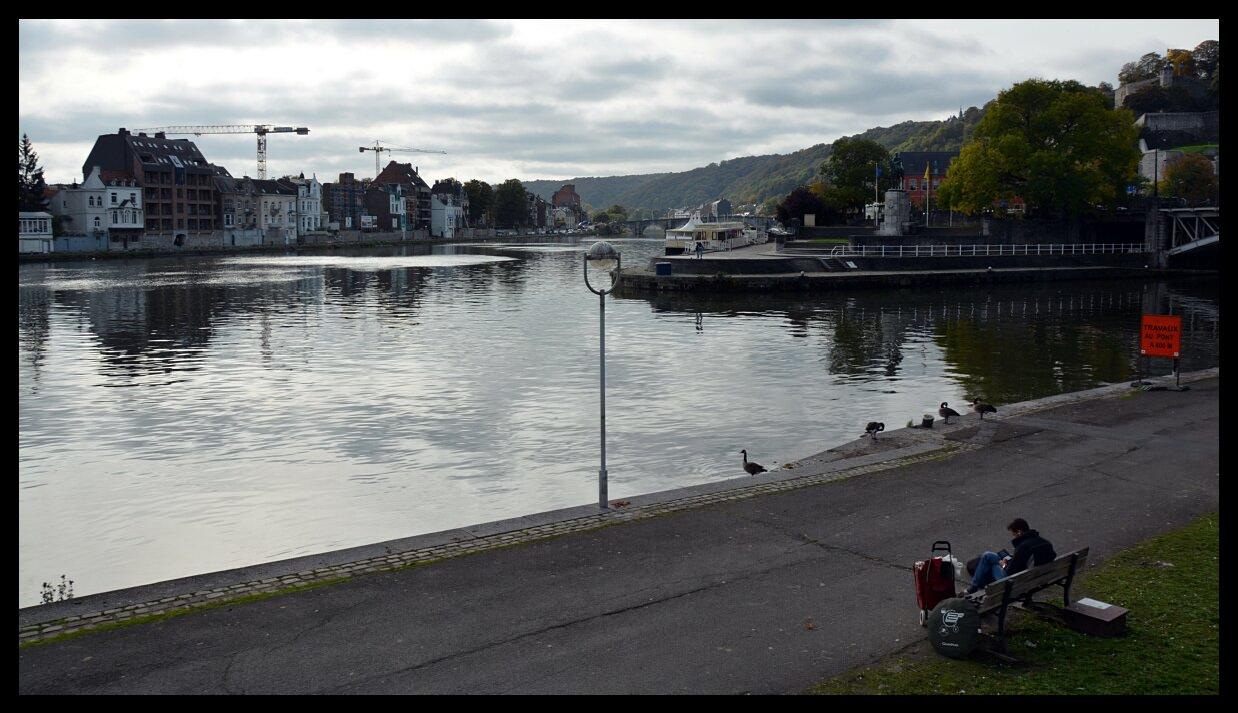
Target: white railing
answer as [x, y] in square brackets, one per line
[986, 250]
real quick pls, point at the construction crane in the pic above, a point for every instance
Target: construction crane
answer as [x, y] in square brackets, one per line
[378, 148]
[260, 129]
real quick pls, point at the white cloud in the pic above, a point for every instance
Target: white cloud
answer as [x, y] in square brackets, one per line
[544, 98]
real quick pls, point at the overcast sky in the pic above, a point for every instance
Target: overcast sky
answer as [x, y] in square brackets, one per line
[539, 98]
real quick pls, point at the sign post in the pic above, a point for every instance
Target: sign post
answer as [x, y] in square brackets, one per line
[1160, 335]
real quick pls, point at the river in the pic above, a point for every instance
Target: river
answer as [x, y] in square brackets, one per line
[190, 414]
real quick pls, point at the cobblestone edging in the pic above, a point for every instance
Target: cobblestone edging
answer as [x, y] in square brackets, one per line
[184, 603]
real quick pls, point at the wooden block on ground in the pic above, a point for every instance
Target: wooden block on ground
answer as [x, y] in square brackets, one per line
[1095, 618]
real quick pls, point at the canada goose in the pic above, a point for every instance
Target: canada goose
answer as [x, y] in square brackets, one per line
[874, 427]
[752, 468]
[946, 413]
[982, 409]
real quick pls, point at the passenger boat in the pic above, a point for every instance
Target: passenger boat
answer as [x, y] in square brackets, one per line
[722, 235]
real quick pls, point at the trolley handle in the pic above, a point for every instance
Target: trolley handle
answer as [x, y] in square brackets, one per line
[935, 547]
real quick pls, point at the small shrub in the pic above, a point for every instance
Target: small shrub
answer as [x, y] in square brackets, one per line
[59, 593]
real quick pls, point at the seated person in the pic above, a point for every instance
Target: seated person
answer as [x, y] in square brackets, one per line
[1030, 550]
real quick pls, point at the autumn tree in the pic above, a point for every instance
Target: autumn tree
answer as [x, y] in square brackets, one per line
[1182, 61]
[1190, 177]
[1055, 144]
[800, 202]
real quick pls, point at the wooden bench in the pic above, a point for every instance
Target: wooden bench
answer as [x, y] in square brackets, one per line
[1019, 588]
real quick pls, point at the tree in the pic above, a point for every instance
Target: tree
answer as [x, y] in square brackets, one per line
[617, 212]
[1183, 62]
[510, 209]
[1207, 57]
[481, 201]
[1148, 66]
[603, 217]
[848, 173]
[30, 183]
[799, 202]
[1055, 144]
[1190, 177]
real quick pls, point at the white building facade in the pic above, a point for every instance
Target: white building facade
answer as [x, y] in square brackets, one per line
[34, 232]
[276, 208]
[97, 208]
[446, 216]
[310, 216]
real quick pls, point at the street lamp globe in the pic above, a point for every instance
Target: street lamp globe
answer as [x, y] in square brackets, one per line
[602, 256]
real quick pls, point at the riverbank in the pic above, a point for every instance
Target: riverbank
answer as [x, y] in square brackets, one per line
[755, 584]
[1170, 585]
[308, 248]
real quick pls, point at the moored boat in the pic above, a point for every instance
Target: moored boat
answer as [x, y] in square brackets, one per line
[722, 235]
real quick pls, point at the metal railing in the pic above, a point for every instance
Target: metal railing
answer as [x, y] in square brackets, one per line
[986, 250]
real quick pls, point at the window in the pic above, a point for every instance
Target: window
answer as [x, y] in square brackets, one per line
[133, 198]
[115, 217]
[96, 221]
[913, 185]
[113, 199]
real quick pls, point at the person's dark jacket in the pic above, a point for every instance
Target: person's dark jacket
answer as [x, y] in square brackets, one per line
[1030, 550]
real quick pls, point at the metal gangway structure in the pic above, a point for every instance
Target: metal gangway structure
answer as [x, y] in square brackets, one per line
[1191, 228]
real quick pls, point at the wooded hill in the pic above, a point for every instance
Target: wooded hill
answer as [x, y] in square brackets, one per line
[752, 179]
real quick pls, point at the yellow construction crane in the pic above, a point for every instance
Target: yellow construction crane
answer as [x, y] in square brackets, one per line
[378, 148]
[260, 129]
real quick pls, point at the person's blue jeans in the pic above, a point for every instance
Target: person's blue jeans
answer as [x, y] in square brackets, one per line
[989, 570]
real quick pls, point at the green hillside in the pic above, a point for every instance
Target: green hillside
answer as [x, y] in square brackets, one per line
[751, 179]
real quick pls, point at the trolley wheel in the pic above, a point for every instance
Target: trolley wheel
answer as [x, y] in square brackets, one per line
[923, 618]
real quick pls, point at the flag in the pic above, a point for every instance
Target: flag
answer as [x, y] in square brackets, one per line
[926, 171]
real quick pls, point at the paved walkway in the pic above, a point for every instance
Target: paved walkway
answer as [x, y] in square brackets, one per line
[721, 590]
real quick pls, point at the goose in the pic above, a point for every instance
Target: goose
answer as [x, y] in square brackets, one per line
[874, 427]
[752, 468]
[982, 409]
[946, 413]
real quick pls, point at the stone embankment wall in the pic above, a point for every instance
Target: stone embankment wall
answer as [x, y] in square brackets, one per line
[643, 283]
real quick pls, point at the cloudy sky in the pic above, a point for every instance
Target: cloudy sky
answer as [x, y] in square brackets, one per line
[539, 98]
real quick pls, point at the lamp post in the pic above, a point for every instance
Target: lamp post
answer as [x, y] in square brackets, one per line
[602, 256]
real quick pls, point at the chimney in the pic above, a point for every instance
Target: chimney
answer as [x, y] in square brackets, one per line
[123, 131]
[160, 135]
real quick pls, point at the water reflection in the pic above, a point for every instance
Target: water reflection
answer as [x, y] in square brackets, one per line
[1005, 343]
[276, 407]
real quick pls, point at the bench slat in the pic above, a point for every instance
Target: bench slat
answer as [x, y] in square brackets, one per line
[1031, 580]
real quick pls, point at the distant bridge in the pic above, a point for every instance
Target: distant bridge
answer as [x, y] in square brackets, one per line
[638, 227]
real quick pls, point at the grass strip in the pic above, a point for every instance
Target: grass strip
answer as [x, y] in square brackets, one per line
[1169, 583]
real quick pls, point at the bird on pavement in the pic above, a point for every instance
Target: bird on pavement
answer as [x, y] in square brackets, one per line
[946, 413]
[752, 468]
[874, 427]
[982, 409]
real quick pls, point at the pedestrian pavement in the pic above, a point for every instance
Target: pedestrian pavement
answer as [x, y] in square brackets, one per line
[747, 586]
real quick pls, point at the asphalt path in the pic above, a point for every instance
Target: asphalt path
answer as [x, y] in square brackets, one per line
[765, 595]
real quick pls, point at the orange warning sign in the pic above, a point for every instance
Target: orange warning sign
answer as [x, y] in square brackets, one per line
[1160, 335]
